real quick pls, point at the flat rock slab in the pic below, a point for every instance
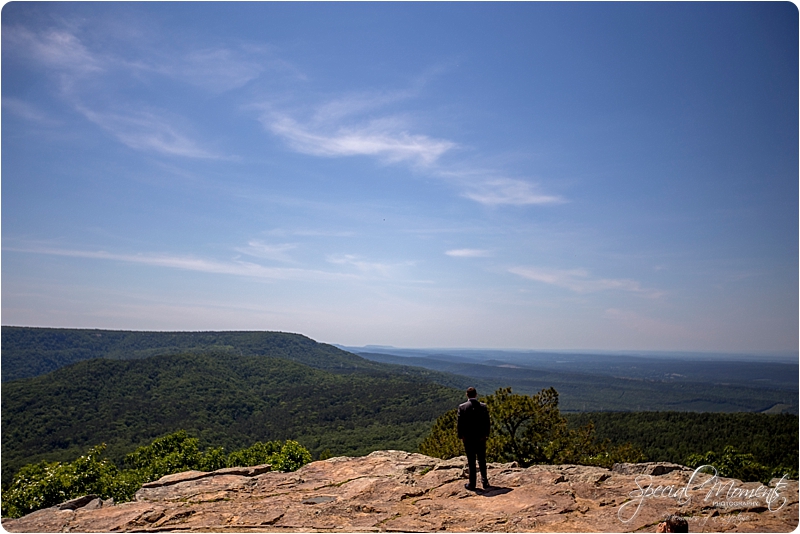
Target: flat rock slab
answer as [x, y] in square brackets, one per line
[394, 491]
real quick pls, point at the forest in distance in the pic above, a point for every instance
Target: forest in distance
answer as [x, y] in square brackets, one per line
[612, 382]
[65, 391]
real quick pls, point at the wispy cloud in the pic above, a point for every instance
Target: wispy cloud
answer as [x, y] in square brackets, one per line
[468, 253]
[362, 123]
[56, 48]
[380, 138]
[580, 281]
[216, 70]
[356, 124]
[22, 109]
[329, 134]
[63, 53]
[260, 249]
[500, 191]
[357, 104]
[186, 263]
[145, 130]
[310, 233]
[367, 267]
[359, 125]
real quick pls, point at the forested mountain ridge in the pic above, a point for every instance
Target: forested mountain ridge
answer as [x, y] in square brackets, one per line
[633, 385]
[225, 399]
[28, 352]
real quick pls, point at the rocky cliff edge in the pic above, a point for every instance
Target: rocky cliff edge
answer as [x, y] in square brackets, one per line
[395, 491]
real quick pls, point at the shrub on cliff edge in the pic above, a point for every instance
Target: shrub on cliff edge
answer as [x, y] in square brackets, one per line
[46, 484]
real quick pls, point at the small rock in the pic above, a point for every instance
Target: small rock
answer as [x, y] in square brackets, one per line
[79, 502]
[649, 468]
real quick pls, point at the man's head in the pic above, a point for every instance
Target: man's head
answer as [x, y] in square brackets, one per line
[472, 393]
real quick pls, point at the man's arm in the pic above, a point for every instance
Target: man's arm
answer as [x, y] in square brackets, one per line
[487, 422]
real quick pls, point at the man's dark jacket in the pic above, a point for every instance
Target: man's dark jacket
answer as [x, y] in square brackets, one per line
[473, 420]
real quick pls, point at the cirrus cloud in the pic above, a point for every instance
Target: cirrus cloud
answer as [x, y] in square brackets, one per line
[580, 281]
[379, 138]
[55, 48]
[188, 263]
[468, 253]
[148, 131]
[499, 191]
[259, 249]
[367, 267]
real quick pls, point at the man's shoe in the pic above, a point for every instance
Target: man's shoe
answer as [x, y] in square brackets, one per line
[485, 483]
[471, 488]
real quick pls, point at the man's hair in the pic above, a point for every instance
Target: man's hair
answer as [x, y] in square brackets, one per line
[472, 392]
[676, 523]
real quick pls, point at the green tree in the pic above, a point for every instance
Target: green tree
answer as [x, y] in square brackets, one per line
[442, 441]
[528, 429]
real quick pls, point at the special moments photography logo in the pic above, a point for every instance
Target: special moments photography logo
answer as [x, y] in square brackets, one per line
[720, 492]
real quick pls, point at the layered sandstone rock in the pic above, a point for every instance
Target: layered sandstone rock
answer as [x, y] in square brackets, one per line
[393, 491]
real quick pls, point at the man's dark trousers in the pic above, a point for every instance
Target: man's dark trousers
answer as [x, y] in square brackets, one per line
[476, 449]
[473, 428]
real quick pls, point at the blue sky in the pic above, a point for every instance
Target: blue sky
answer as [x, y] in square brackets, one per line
[518, 175]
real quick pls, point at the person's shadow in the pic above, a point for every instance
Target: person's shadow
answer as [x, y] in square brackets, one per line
[492, 491]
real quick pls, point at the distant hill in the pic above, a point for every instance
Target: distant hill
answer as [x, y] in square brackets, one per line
[586, 382]
[223, 398]
[28, 352]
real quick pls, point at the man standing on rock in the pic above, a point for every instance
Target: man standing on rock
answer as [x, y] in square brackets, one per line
[473, 430]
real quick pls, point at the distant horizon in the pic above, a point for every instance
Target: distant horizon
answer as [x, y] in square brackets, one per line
[786, 355]
[614, 175]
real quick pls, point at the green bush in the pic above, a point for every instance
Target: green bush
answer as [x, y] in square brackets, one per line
[45, 484]
[169, 454]
[214, 459]
[292, 457]
[734, 464]
[258, 453]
